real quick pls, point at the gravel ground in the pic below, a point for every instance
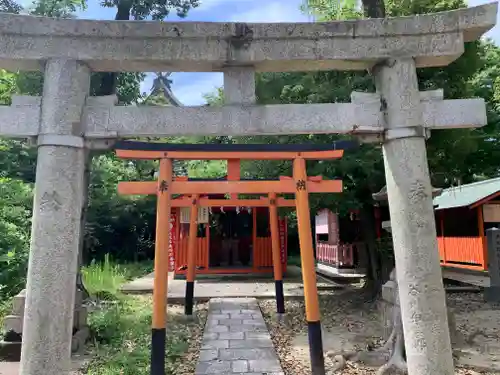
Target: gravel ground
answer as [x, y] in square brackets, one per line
[186, 364]
[348, 324]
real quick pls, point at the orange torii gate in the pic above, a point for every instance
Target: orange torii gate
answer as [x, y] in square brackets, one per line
[299, 184]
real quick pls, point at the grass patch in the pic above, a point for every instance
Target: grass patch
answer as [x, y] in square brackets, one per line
[121, 335]
[5, 309]
[103, 280]
[120, 325]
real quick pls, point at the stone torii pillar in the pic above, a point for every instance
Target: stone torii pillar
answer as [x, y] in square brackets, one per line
[53, 260]
[418, 270]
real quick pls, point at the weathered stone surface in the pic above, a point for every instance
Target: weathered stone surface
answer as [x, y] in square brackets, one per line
[217, 328]
[230, 322]
[231, 336]
[419, 278]
[13, 323]
[215, 344]
[257, 335]
[434, 40]
[239, 85]
[103, 119]
[247, 328]
[239, 366]
[254, 322]
[241, 316]
[79, 339]
[247, 354]
[220, 316]
[361, 116]
[251, 343]
[208, 355]
[213, 367]
[239, 351]
[22, 118]
[266, 365]
[50, 289]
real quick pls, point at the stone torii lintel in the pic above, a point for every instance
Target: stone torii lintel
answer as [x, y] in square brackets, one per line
[26, 42]
[437, 114]
[103, 120]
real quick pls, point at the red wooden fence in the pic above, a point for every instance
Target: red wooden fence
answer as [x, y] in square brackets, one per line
[462, 252]
[335, 255]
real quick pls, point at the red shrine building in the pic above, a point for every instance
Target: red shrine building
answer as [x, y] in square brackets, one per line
[229, 239]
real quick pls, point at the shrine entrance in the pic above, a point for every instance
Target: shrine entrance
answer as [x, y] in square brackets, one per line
[203, 219]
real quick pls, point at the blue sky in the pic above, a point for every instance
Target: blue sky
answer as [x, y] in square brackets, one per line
[190, 87]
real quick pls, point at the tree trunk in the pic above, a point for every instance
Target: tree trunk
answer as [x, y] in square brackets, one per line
[373, 282]
[108, 81]
[374, 8]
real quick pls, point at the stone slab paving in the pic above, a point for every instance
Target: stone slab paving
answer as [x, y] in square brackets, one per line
[236, 340]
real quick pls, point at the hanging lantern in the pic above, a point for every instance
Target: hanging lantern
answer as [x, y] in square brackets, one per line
[249, 209]
[222, 209]
[237, 210]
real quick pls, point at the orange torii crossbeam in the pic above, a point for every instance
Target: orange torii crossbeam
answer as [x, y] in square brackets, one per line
[299, 184]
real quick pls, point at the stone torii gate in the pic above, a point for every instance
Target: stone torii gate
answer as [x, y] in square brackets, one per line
[66, 121]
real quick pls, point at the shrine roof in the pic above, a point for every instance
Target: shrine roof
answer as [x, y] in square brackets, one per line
[468, 194]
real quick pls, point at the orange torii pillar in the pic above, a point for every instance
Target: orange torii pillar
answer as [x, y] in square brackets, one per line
[308, 268]
[191, 271]
[158, 334]
[276, 250]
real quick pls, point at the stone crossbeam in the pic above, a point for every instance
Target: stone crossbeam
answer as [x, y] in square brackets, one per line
[103, 120]
[26, 42]
[22, 118]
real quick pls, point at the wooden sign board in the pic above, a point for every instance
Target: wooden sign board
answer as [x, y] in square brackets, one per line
[491, 213]
[186, 215]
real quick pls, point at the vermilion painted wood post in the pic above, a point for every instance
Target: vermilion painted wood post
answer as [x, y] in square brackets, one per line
[191, 256]
[158, 339]
[276, 252]
[308, 268]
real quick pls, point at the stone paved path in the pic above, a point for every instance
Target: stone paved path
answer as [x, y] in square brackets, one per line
[236, 340]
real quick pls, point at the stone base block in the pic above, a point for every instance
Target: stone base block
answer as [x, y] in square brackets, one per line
[18, 303]
[79, 339]
[13, 323]
[10, 351]
[80, 318]
[385, 309]
[492, 294]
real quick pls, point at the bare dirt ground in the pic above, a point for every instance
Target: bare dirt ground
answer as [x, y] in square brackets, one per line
[349, 323]
[186, 364]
